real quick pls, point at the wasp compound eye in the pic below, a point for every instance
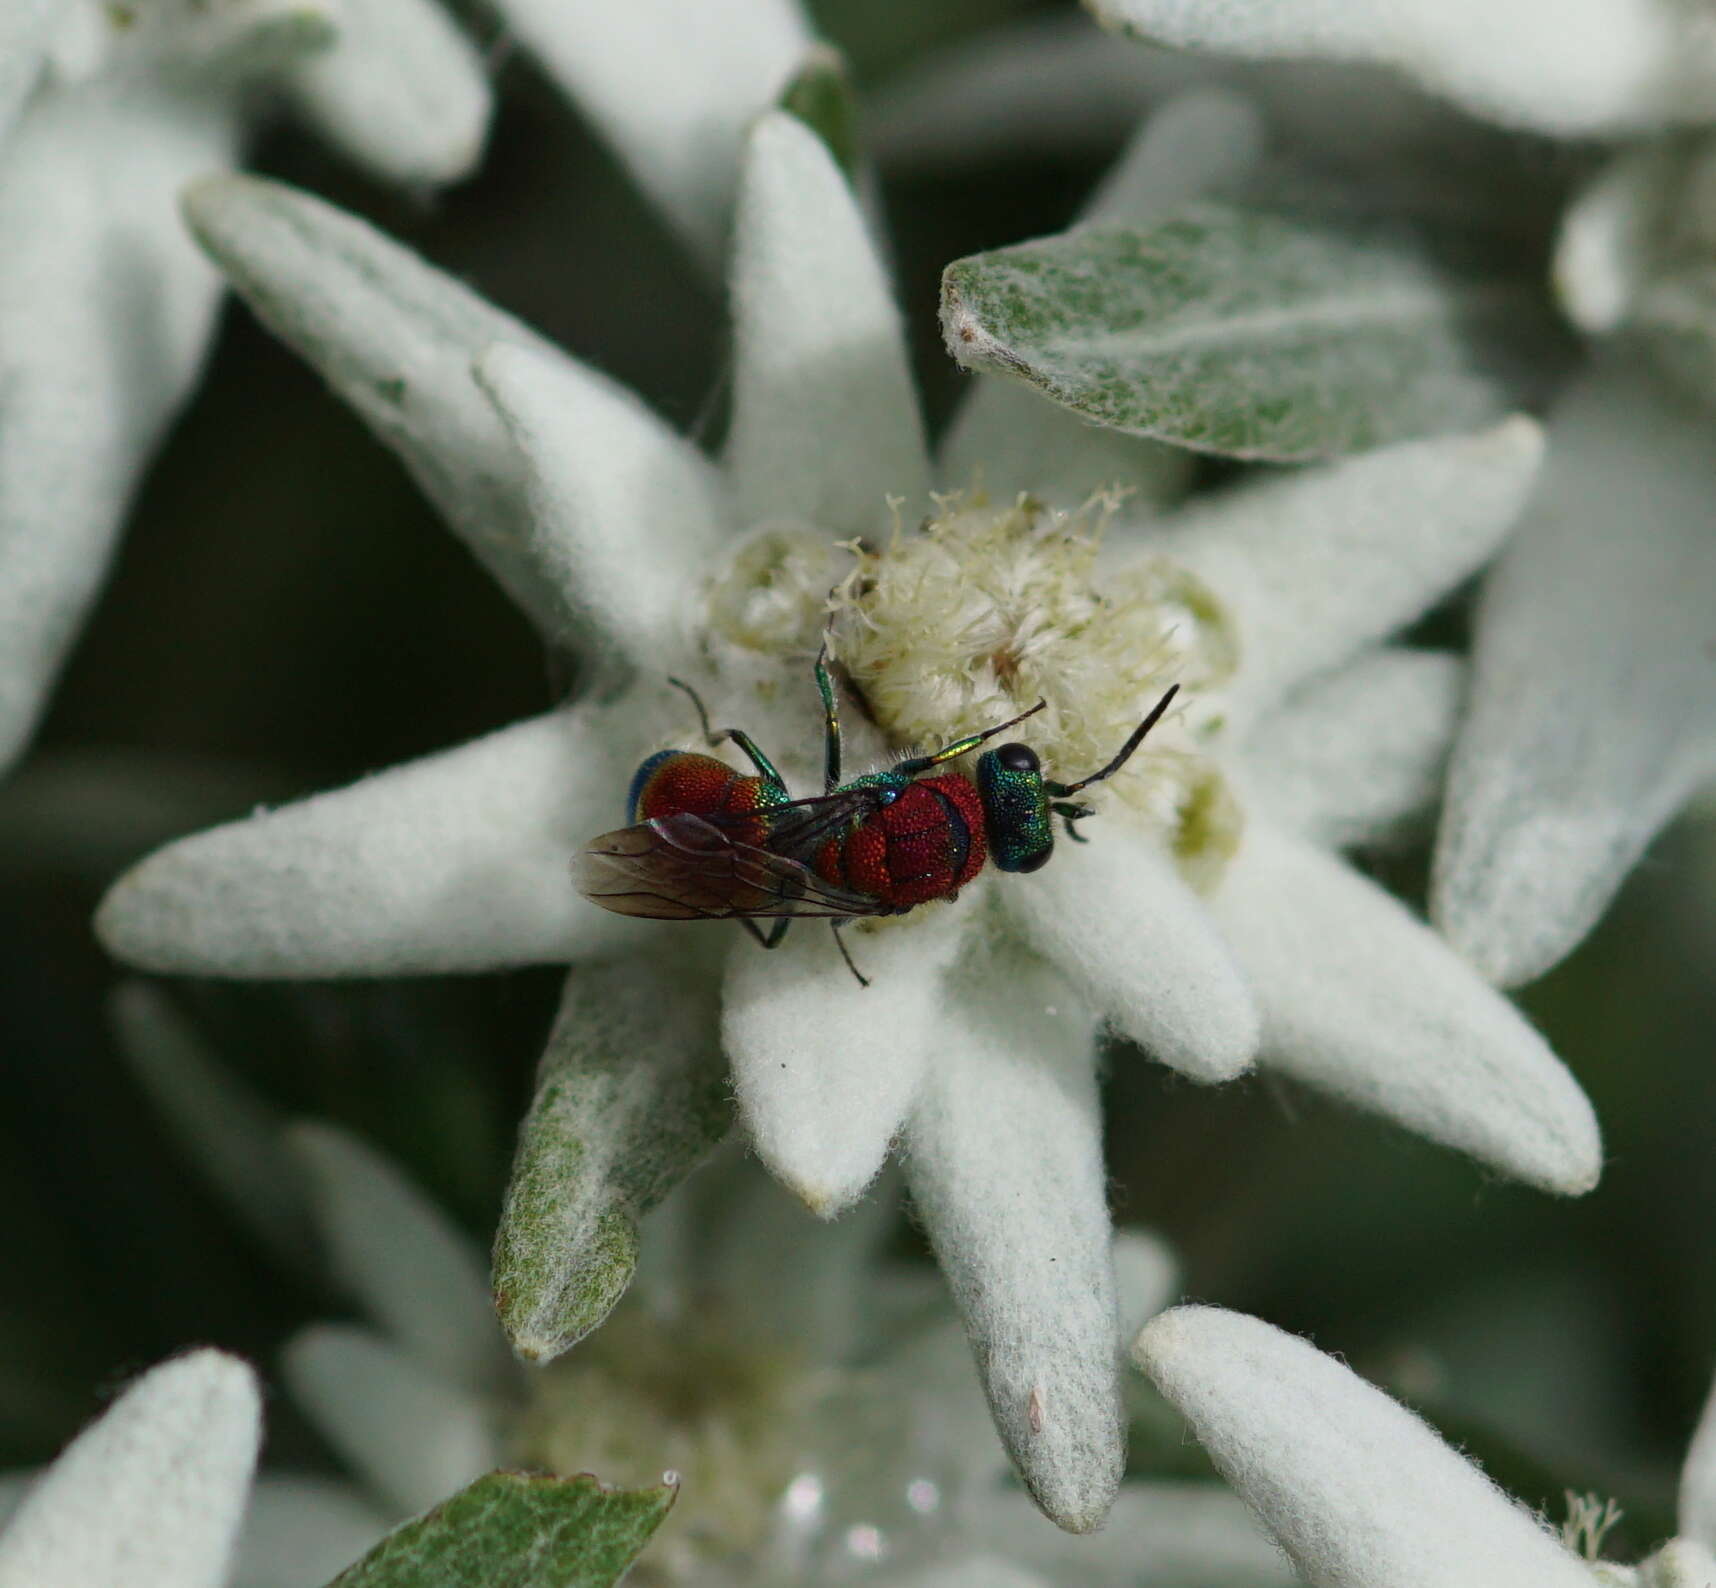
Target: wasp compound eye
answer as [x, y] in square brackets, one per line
[1018, 758]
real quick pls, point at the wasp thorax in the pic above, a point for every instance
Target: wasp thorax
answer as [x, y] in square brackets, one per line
[984, 610]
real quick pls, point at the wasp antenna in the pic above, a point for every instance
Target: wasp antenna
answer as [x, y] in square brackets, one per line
[1063, 790]
[697, 701]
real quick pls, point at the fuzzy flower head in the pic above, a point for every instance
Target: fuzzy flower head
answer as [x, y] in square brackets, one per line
[977, 615]
[1210, 941]
[1362, 1494]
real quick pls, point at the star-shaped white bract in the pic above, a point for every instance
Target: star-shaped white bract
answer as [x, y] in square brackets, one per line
[974, 1050]
[106, 307]
[1361, 1493]
[814, 1396]
[152, 1493]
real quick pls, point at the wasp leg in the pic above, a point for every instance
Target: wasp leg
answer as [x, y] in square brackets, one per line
[830, 723]
[1071, 814]
[770, 939]
[959, 747]
[765, 767]
[846, 954]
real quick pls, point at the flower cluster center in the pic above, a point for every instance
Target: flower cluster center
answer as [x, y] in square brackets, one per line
[983, 610]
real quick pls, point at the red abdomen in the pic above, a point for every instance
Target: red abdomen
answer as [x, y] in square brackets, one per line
[673, 782]
[926, 845]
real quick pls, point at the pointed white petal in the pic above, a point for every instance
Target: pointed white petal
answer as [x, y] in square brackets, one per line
[1698, 1481]
[1159, 1535]
[1353, 754]
[396, 339]
[671, 86]
[1570, 67]
[631, 1092]
[1003, 1156]
[403, 91]
[624, 514]
[455, 862]
[1137, 942]
[303, 1531]
[410, 1434]
[1612, 234]
[1146, 1278]
[420, 1280]
[1364, 1001]
[1314, 564]
[231, 1131]
[1593, 712]
[1006, 438]
[1359, 1491]
[105, 311]
[825, 1069]
[825, 416]
[151, 1495]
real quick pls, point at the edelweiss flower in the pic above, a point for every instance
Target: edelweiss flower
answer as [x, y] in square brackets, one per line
[1593, 714]
[152, 1493]
[106, 308]
[1362, 1494]
[813, 1396]
[1207, 918]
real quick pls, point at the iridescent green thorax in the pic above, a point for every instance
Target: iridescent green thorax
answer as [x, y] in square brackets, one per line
[1015, 809]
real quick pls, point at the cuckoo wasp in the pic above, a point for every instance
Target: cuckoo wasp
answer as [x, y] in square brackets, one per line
[709, 843]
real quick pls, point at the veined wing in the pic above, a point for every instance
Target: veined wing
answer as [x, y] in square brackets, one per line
[686, 868]
[799, 828]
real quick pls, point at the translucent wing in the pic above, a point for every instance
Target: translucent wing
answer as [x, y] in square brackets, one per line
[687, 868]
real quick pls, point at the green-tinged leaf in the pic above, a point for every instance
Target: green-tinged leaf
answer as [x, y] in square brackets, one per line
[1251, 332]
[821, 96]
[631, 1093]
[512, 1530]
[1676, 317]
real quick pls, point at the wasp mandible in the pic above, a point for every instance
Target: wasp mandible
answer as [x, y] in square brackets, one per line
[709, 843]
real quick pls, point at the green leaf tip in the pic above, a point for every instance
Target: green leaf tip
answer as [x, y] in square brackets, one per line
[632, 1094]
[518, 1529]
[820, 95]
[1252, 332]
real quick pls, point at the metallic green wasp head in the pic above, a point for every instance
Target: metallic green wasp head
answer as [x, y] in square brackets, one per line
[1015, 808]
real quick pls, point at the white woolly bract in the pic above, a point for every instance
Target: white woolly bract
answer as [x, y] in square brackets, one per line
[1358, 1490]
[825, 412]
[152, 1493]
[826, 1071]
[1362, 1000]
[1592, 715]
[1003, 1155]
[1572, 67]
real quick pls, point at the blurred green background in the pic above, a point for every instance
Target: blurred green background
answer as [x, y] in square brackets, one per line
[287, 614]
